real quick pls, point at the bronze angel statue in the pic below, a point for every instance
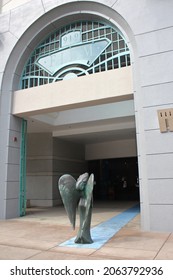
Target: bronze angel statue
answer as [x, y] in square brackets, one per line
[78, 194]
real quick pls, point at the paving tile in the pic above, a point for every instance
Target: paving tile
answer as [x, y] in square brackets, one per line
[170, 239]
[16, 253]
[62, 256]
[77, 251]
[39, 234]
[126, 238]
[26, 243]
[124, 253]
[52, 236]
[134, 223]
[49, 255]
[166, 252]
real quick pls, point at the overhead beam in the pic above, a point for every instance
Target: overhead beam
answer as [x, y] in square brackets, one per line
[100, 88]
[120, 124]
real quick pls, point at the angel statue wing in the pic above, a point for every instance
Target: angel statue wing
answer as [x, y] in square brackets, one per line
[70, 196]
[88, 193]
[85, 211]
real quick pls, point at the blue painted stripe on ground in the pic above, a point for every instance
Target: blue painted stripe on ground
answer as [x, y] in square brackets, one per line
[104, 231]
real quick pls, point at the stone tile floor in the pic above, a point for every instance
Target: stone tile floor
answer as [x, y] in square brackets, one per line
[37, 237]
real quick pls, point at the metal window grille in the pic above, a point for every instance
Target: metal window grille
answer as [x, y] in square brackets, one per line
[93, 35]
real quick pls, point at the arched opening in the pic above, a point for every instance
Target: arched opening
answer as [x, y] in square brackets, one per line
[76, 49]
[70, 135]
[93, 47]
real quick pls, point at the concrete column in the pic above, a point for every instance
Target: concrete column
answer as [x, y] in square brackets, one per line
[9, 164]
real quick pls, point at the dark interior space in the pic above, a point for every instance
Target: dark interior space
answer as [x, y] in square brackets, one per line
[115, 179]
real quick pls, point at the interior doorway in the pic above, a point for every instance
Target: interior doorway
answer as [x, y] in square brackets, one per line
[115, 179]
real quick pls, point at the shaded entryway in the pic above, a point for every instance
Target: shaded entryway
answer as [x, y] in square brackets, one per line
[115, 179]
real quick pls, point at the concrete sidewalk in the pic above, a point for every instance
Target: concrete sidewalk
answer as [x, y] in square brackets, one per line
[37, 236]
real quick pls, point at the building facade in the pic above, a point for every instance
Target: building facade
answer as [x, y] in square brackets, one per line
[82, 82]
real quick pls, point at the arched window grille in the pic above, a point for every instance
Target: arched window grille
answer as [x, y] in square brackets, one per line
[77, 49]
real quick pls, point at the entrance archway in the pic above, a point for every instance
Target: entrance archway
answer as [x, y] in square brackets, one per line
[100, 11]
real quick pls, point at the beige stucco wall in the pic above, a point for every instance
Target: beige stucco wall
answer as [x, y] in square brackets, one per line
[47, 159]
